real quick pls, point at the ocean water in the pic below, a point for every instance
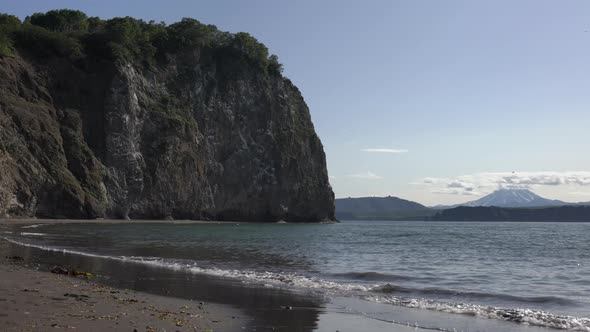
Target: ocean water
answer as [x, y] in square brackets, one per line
[527, 274]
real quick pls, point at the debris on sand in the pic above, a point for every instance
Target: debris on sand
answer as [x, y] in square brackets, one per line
[79, 297]
[76, 273]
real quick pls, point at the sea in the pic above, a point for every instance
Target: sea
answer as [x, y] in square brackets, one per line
[444, 276]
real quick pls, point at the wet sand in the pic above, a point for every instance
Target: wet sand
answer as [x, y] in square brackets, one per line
[32, 300]
[34, 221]
[40, 301]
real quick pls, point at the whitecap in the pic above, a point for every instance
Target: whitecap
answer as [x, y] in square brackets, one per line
[32, 226]
[517, 315]
[32, 234]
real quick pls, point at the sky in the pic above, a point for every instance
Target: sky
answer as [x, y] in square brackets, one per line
[438, 102]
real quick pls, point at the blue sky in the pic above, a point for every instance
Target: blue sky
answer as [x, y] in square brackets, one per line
[472, 90]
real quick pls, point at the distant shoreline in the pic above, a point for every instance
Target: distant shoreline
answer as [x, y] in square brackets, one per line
[474, 221]
[492, 213]
[28, 221]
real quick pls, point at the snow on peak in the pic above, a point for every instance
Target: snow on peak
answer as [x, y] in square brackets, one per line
[513, 198]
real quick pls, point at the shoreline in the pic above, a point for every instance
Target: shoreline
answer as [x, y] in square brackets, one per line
[36, 300]
[32, 300]
[31, 221]
[267, 307]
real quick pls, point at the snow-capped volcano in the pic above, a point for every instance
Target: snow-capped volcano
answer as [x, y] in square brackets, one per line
[513, 198]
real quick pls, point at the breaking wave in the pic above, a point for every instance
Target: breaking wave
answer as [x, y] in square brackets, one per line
[518, 315]
[32, 234]
[374, 276]
[32, 226]
[379, 293]
[434, 292]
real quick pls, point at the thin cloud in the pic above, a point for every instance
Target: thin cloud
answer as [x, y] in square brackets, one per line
[366, 176]
[482, 183]
[450, 191]
[380, 150]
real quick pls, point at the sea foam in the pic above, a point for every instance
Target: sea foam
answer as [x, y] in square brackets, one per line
[32, 234]
[518, 315]
[32, 226]
[296, 281]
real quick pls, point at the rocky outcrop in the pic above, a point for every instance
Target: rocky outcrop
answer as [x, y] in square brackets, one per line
[193, 137]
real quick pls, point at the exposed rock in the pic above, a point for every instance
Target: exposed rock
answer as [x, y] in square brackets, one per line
[193, 137]
[59, 270]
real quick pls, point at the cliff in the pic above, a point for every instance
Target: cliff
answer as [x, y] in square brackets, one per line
[127, 119]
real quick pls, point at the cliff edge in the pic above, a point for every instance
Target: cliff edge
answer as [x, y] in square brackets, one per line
[128, 119]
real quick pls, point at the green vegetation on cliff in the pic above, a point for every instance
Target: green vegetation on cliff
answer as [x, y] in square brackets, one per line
[72, 33]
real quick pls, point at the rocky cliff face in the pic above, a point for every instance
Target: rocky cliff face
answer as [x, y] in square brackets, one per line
[195, 137]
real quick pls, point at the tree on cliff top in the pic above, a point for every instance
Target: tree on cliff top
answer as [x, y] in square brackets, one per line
[73, 34]
[62, 20]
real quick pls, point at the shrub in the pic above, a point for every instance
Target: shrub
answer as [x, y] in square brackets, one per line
[43, 43]
[129, 38]
[187, 34]
[6, 48]
[8, 24]
[251, 48]
[274, 66]
[63, 32]
[95, 24]
[9, 21]
[63, 20]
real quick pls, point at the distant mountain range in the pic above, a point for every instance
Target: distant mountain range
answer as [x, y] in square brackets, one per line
[373, 208]
[512, 198]
[394, 208]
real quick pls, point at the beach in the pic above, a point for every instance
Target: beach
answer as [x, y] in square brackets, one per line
[209, 276]
[31, 300]
[34, 299]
